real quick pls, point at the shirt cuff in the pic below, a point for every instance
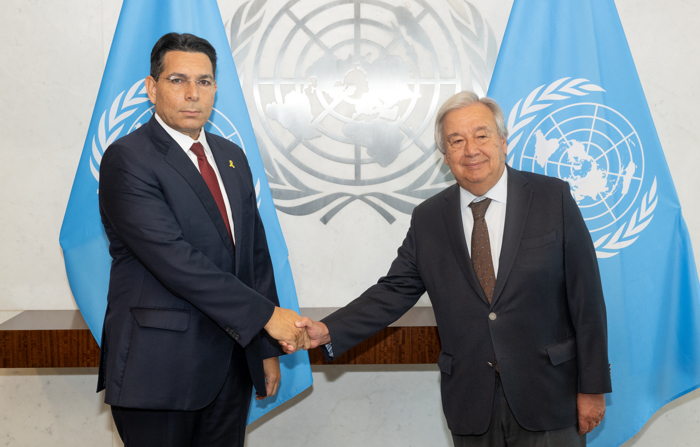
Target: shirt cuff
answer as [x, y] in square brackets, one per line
[328, 352]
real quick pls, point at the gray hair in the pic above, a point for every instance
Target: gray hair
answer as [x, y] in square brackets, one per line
[460, 101]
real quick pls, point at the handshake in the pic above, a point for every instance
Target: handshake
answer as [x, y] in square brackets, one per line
[294, 332]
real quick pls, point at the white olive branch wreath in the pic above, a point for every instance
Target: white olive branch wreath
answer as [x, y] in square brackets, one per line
[634, 227]
[245, 22]
[106, 132]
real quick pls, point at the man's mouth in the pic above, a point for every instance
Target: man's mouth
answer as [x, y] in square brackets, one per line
[474, 164]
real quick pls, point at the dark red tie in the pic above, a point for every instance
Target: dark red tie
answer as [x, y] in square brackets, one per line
[212, 182]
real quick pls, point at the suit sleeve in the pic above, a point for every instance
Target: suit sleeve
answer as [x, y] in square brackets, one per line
[586, 303]
[381, 304]
[138, 213]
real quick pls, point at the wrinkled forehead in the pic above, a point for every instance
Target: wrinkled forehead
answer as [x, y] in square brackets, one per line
[474, 118]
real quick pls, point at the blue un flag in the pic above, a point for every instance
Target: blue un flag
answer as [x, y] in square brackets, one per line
[122, 106]
[576, 110]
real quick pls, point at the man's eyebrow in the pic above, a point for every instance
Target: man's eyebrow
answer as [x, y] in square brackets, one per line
[178, 75]
[184, 76]
[481, 128]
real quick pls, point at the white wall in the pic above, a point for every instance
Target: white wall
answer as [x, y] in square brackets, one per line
[53, 57]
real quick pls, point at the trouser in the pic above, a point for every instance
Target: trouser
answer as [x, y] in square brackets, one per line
[504, 430]
[221, 423]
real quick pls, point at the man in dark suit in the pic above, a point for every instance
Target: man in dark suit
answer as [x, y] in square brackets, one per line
[192, 304]
[511, 272]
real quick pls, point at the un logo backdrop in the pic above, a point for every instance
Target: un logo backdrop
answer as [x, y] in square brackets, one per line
[342, 96]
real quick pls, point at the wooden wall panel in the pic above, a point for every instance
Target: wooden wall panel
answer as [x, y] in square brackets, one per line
[48, 349]
[60, 339]
[391, 346]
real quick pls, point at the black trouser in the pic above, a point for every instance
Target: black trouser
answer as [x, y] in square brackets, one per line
[505, 431]
[221, 423]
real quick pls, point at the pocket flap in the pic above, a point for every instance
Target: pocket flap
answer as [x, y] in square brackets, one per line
[539, 241]
[169, 319]
[445, 363]
[562, 351]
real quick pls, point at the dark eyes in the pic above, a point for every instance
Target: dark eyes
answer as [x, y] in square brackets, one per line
[181, 82]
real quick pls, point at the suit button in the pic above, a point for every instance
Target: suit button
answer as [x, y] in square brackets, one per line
[233, 334]
[490, 364]
[492, 316]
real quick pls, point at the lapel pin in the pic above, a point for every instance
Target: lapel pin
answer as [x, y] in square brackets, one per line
[230, 163]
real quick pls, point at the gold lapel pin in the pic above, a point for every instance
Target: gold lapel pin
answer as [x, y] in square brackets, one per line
[230, 163]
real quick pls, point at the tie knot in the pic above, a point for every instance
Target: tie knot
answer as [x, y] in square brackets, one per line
[479, 208]
[197, 149]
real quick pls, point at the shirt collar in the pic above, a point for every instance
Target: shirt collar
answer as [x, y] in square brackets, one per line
[499, 192]
[184, 141]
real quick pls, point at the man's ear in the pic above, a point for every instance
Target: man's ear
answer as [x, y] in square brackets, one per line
[151, 86]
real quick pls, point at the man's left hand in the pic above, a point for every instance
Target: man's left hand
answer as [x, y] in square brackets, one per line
[272, 377]
[591, 410]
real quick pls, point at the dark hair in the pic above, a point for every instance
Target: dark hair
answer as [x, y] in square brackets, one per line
[179, 42]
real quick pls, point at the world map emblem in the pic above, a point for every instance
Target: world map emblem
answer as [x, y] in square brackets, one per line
[592, 147]
[346, 93]
[131, 109]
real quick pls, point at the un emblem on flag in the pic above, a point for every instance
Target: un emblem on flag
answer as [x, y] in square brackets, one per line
[592, 147]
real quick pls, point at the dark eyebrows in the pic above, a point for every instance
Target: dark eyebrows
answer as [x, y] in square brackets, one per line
[184, 76]
[177, 75]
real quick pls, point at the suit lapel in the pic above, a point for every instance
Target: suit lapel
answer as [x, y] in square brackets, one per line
[452, 214]
[517, 207]
[178, 159]
[231, 179]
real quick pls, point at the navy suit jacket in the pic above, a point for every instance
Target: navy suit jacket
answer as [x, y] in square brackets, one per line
[180, 296]
[546, 326]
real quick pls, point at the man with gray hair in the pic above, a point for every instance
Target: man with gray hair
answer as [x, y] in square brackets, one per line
[512, 274]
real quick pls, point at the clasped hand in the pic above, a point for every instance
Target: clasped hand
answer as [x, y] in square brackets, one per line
[282, 328]
[294, 332]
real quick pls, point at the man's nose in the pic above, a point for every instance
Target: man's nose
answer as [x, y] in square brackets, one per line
[470, 148]
[192, 91]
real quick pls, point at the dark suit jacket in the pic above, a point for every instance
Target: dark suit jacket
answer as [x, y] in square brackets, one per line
[179, 295]
[546, 326]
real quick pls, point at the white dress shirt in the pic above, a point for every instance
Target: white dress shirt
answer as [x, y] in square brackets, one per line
[495, 216]
[185, 142]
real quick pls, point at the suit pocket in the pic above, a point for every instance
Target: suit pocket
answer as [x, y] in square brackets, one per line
[169, 319]
[445, 363]
[539, 241]
[562, 351]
